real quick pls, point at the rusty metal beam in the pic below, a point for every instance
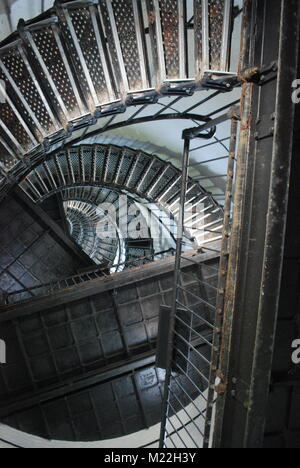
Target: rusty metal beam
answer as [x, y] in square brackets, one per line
[259, 223]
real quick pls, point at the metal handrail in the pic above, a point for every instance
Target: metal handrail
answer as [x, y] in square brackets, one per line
[180, 346]
[97, 271]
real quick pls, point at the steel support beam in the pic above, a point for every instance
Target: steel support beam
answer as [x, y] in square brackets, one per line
[258, 233]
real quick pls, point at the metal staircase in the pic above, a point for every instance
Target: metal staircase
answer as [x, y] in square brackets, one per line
[66, 70]
[125, 170]
[83, 220]
[83, 60]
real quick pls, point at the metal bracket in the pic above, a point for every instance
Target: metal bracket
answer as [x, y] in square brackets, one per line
[181, 90]
[112, 110]
[196, 132]
[260, 76]
[149, 98]
[224, 84]
[265, 127]
[191, 133]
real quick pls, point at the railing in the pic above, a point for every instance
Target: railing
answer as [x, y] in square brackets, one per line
[65, 283]
[194, 327]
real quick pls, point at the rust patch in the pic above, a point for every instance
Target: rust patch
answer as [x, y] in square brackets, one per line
[151, 17]
[221, 388]
[214, 12]
[252, 75]
[246, 123]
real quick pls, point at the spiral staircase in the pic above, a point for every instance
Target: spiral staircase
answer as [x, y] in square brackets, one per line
[82, 61]
[77, 65]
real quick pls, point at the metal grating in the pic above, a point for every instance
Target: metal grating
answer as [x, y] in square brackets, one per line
[43, 76]
[163, 182]
[128, 23]
[21, 76]
[7, 160]
[170, 32]
[112, 160]
[73, 55]
[125, 167]
[137, 169]
[22, 109]
[12, 126]
[100, 153]
[150, 175]
[86, 156]
[199, 44]
[47, 46]
[85, 33]
[216, 22]
[62, 163]
[116, 60]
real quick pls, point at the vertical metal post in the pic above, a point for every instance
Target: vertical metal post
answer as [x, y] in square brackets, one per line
[223, 268]
[254, 276]
[180, 232]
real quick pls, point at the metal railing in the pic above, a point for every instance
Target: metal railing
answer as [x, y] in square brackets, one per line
[195, 324]
[65, 283]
